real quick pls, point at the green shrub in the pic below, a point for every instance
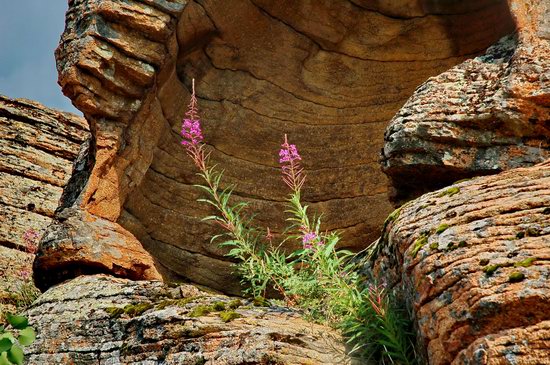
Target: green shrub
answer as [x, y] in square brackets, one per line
[13, 337]
[319, 279]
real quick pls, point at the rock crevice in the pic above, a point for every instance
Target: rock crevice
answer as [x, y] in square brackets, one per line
[329, 78]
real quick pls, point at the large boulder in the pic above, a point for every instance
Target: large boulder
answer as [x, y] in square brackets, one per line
[37, 148]
[472, 261]
[486, 115]
[104, 320]
[330, 74]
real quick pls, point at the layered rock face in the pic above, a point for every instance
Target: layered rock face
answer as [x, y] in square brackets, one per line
[330, 74]
[103, 320]
[37, 148]
[488, 114]
[472, 261]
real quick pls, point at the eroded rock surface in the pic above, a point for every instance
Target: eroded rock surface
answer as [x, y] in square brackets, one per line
[488, 114]
[81, 243]
[329, 74]
[37, 148]
[104, 320]
[473, 261]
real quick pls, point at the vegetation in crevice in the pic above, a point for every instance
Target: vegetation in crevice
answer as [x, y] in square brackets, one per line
[319, 279]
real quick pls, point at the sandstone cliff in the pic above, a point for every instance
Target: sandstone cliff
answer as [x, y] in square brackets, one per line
[37, 148]
[330, 75]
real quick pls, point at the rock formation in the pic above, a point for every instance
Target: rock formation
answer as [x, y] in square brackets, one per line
[103, 320]
[330, 74]
[488, 114]
[472, 260]
[37, 148]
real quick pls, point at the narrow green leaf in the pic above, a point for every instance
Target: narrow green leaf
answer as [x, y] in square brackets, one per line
[212, 218]
[26, 336]
[18, 322]
[229, 243]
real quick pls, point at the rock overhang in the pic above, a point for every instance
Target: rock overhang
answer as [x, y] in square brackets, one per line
[329, 76]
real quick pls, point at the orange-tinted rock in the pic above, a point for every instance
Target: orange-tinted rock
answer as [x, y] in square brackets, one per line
[473, 264]
[81, 243]
[486, 115]
[329, 74]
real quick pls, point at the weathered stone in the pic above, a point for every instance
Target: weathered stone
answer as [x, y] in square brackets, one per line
[329, 74]
[80, 243]
[472, 261]
[37, 148]
[104, 320]
[488, 114]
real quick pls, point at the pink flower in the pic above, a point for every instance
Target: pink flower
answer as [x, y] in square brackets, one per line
[24, 274]
[288, 153]
[309, 238]
[191, 132]
[292, 171]
[31, 237]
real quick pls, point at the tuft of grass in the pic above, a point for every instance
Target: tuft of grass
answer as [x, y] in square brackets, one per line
[490, 269]
[516, 277]
[114, 312]
[260, 302]
[131, 310]
[234, 304]
[525, 263]
[200, 311]
[442, 228]
[520, 235]
[218, 306]
[450, 192]
[229, 315]
[134, 310]
[418, 244]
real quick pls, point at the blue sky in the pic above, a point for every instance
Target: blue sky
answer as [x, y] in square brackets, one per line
[29, 34]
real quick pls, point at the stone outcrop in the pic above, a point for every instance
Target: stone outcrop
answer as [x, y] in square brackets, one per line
[488, 114]
[80, 243]
[329, 74]
[473, 261]
[37, 148]
[103, 320]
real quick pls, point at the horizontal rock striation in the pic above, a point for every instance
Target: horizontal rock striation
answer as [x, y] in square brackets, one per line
[37, 148]
[329, 74]
[473, 262]
[103, 320]
[486, 115]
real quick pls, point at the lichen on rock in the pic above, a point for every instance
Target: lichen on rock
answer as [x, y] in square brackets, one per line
[491, 291]
[101, 319]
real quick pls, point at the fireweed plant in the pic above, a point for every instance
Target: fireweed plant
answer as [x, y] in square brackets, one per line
[318, 279]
